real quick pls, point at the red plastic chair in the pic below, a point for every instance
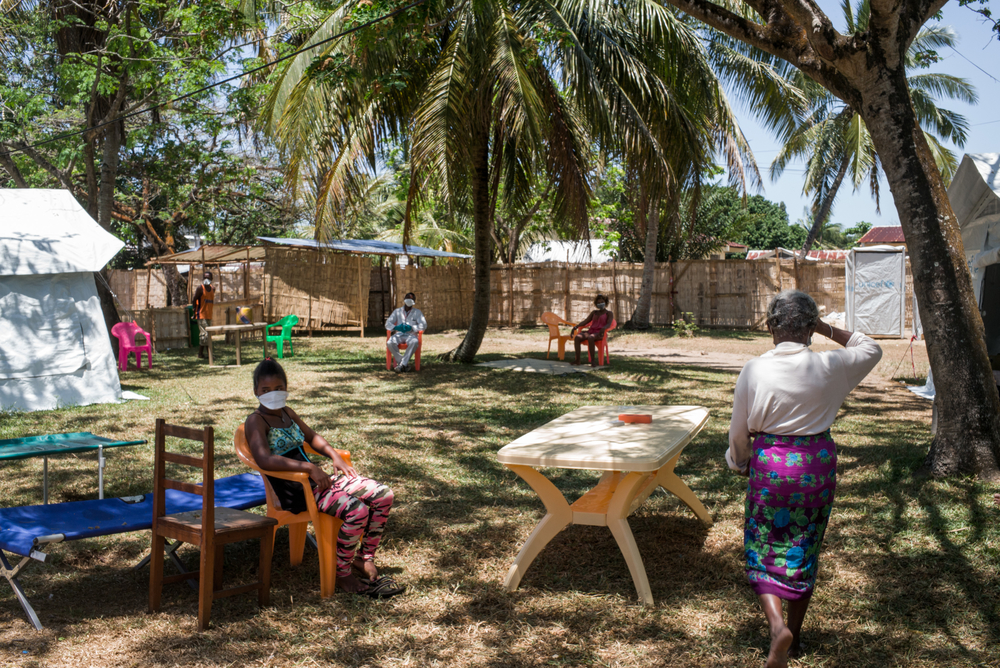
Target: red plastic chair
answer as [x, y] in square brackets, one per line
[125, 333]
[602, 346]
[402, 347]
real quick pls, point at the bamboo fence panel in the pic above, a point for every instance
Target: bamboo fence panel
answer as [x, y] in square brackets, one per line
[325, 290]
[710, 293]
[444, 293]
[139, 288]
[169, 327]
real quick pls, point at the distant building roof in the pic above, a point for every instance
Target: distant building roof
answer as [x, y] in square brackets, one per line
[786, 254]
[883, 235]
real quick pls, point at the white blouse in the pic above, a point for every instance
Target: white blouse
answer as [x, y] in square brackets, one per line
[795, 391]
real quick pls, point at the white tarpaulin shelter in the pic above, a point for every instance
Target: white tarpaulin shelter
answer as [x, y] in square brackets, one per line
[975, 199]
[54, 345]
[876, 290]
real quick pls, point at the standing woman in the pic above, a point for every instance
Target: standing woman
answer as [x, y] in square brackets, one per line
[784, 404]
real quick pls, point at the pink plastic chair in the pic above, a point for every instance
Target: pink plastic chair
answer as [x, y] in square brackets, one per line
[125, 333]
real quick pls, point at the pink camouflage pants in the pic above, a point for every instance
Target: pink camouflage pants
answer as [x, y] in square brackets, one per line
[363, 504]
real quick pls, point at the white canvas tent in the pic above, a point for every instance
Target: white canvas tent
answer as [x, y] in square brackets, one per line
[54, 345]
[876, 290]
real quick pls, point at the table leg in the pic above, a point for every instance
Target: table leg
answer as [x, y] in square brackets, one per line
[618, 512]
[557, 517]
[239, 335]
[45, 479]
[100, 471]
[211, 360]
[263, 335]
[669, 481]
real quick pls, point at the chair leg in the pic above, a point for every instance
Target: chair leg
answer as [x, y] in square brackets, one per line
[206, 584]
[264, 570]
[549, 350]
[291, 350]
[326, 541]
[156, 572]
[296, 542]
[220, 555]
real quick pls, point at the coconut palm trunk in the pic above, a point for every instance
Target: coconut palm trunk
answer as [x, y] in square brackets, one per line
[482, 255]
[819, 219]
[649, 210]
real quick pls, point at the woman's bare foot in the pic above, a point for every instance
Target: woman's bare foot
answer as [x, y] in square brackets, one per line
[576, 363]
[351, 584]
[780, 642]
[367, 567]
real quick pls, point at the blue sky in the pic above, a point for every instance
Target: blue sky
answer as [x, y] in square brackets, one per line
[976, 58]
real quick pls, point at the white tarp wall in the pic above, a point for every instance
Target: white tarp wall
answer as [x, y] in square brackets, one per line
[54, 345]
[876, 290]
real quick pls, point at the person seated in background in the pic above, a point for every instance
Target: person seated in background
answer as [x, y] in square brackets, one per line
[402, 326]
[599, 320]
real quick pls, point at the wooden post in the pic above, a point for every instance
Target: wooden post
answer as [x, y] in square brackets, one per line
[149, 279]
[315, 261]
[510, 295]
[614, 285]
[270, 287]
[246, 276]
[568, 316]
[713, 304]
[362, 306]
[777, 265]
[670, 270]
[383, 283]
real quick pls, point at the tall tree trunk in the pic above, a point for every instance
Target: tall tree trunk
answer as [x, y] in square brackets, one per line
[968, 429]
[649, 211]
[105, 205]
[483, 254]
[820, 216]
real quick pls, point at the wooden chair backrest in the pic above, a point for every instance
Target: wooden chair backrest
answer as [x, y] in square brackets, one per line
[161, 483]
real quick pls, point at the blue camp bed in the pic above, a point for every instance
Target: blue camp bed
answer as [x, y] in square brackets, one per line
[61, 444]
[26, 530]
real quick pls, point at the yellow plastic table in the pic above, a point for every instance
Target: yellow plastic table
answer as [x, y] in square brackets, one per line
[635, 458]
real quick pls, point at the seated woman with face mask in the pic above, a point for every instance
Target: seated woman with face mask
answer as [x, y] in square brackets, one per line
[599, 320]
[275, 434]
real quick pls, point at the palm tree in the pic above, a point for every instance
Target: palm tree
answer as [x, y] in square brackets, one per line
[496, 98]
[835, 142]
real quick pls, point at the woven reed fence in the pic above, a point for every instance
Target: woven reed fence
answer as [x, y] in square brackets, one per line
[138, 289]
[710, 293]
[325, 290]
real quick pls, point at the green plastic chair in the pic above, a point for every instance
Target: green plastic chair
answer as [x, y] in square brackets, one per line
[286, 325]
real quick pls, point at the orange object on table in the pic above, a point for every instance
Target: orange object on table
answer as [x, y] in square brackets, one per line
[641, 419]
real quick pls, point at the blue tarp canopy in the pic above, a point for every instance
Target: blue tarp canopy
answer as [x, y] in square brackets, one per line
[364, 247]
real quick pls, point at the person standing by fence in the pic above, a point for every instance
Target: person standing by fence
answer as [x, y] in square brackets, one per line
[203, 301]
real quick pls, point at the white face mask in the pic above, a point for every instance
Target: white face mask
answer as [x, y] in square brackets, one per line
[273, 400]
[409, 302]
[601, 305]
[207, 281]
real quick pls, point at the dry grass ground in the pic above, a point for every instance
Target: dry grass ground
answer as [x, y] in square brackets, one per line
[909, 575]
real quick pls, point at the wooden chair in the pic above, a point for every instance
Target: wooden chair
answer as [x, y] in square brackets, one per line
[602, 346]
[402, 347]
[553, 321]
[210, 528]
[326, 526]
